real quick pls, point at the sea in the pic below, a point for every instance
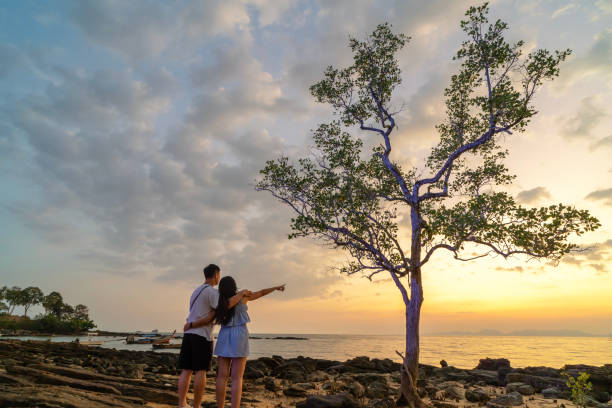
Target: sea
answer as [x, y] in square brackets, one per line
[460, 351]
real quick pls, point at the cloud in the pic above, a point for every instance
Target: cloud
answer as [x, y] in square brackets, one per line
[564, 10]
[533, 196]
[603, 143]
[589, 114]
[604, 195]
[596, 61]
[596, 256]
[137, 32]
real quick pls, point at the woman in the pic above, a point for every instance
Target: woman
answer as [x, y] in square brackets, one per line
[232, 346]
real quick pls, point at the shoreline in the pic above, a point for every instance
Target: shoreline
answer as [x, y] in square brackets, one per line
[35, 372]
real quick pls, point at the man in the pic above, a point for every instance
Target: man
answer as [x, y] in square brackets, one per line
[197, 346]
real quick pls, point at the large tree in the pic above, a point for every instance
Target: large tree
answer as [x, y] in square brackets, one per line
[54, 304]
[30, 296]
[457, 202]
[14, 298]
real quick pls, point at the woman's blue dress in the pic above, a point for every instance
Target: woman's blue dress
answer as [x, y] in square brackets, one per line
[233, 338]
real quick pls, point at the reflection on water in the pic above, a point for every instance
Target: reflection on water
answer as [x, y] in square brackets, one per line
[459, 351]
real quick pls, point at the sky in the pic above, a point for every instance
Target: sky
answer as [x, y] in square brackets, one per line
[132, 133]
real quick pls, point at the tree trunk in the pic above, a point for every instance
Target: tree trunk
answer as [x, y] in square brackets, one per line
[409, 395]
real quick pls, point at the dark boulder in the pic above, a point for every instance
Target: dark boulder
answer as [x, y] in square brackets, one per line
[329, 401]
[492, 364]
[477, 395]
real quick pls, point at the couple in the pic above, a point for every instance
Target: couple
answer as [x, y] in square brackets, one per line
[227, 307]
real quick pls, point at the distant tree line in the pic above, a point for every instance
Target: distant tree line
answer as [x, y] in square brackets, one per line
[59, 317]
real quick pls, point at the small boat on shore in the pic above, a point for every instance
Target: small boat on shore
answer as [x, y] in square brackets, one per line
[149, 340]
[88, 343]
[166, 346]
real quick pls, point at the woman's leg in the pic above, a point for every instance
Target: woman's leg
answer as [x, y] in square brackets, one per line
[238, 365]
[223, 370]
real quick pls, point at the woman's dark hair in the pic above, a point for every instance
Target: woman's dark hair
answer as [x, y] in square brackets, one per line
[227, 289]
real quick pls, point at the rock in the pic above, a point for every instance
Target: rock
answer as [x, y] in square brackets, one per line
[452, 391]
[42, 377]
[381, 403]
[492, 364]
[60, 397]
[443, 363]
[333, 386]
[601, 396]
[318, 376]
[293, 371]
[511, 399]
[294, 391]
[444, 404]
[329, 401]
[487, 376]
[377, 390]
[253, 373]
[526, 389]
[306, 386]
[502, 372]
[270, 384]
[368, 378]
[521, 388]
[356, 389]
[539, 383]
[551, 392]
[477, 395]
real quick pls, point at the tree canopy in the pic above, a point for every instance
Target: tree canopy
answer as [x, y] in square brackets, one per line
[353, 200]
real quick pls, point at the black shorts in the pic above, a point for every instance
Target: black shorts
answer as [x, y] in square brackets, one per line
[196, 353]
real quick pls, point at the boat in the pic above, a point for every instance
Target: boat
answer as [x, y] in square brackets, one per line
[89, 343]
[131, 339]
[166, 346]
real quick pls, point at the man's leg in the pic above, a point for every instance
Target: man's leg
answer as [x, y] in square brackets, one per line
[223, 370]
[238, 365]
[183, 387]
[199, 384]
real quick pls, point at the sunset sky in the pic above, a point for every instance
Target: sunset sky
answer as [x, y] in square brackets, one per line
[131, 134]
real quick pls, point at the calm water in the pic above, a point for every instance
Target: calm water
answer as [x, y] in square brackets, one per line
[459, 351]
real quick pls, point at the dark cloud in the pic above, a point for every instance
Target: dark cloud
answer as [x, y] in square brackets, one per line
[533, 195]
[604, 195]
[596, 256]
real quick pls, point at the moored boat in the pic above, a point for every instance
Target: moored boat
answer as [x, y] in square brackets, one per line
[166, 346]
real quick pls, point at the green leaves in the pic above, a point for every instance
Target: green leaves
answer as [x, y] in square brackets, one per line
[354, 200]
[340, 197]
[358, 92]
[496, 221]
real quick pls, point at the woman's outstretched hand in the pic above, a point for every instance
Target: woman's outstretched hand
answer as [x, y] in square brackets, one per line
[281, 287]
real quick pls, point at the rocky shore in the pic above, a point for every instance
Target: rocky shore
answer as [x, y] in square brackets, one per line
[46, 374]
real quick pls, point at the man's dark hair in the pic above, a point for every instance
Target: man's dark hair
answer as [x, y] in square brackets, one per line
[210, 271]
